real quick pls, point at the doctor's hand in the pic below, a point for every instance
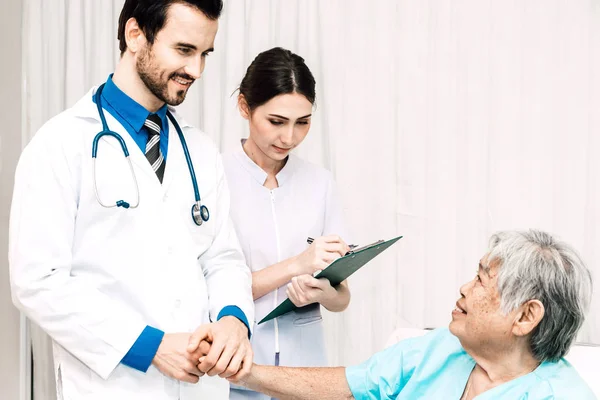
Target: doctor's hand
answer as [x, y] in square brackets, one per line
[175, 361]
[305, 289]
[230, 352]
[323, 251]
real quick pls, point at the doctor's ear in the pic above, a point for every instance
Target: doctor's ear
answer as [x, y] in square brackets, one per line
[243, 106]
[134, 36]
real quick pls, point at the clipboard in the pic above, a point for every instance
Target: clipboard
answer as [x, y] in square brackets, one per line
[339, 270]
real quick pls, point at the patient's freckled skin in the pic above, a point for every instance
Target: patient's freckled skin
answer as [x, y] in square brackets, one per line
[484, 322]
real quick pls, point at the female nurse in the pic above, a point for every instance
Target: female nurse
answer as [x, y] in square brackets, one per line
[278, 201]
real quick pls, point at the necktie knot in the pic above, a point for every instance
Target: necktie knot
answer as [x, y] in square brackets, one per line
[153, 124]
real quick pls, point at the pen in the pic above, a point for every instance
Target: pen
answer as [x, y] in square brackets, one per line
[309, 240]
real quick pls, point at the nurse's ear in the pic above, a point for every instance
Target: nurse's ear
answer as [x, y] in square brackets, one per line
[134, 36]
[243, 107]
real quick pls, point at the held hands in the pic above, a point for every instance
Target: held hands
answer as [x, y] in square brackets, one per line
[175, 361]
[323, 251]
[224, 348]
[305, 289]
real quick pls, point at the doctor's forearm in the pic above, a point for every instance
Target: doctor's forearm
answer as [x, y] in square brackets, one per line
[270, 278]
[299, 383]
[340, 301]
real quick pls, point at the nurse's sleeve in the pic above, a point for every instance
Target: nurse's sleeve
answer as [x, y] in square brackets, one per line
[89, 324]
[384, 375]
[227, 276]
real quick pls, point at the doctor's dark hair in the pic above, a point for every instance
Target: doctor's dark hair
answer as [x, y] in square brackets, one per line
[151, 15]
[274, 72]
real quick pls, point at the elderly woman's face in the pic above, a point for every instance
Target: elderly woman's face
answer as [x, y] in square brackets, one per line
[477, 319]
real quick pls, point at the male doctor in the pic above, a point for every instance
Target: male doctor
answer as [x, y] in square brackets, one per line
[121, 290]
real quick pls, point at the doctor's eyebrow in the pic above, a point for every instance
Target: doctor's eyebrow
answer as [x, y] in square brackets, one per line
[186, 45]
[193, 47]
[286, 118]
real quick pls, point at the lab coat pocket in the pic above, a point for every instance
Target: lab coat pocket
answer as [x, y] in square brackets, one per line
[202, 237]
[59, 385]
[72, 381]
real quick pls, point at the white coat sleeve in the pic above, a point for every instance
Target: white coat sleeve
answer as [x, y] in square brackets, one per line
[87, 323]
[227, 276]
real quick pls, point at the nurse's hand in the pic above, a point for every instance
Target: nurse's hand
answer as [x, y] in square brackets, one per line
[323, 251]
[230, 352]
[175, 361]
[305, 289]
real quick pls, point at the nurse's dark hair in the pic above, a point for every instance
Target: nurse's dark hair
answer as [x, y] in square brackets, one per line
[151, 15]
[274, 72]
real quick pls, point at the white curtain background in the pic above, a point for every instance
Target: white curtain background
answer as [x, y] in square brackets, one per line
[442, 120]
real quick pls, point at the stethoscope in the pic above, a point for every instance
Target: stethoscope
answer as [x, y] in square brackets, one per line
[199, 212]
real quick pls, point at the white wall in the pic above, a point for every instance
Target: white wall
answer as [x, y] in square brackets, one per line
[10, 148]
[441, 120]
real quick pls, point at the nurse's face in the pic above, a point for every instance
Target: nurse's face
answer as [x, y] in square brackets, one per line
[477, 320]
[176, 59]
[279, 125]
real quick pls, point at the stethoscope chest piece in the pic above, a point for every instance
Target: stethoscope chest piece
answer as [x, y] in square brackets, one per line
[200, 213]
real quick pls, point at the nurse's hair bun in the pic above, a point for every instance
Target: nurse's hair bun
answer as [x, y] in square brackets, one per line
[274, 72]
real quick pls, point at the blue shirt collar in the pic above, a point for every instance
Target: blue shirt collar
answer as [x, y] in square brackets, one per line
[131, 111]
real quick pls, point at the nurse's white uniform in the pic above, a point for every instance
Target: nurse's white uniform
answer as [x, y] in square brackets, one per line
[272, 225]
[94, 277]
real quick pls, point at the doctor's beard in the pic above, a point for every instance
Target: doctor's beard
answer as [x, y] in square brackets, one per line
[154, 80]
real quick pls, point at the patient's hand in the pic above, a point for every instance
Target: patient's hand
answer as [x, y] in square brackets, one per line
[305, 289]
[200, 352]
[243, 377]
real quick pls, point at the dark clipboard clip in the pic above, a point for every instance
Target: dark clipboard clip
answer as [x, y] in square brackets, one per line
[357, 249]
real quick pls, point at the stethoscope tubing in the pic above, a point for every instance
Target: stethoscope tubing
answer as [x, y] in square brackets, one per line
[199, 212]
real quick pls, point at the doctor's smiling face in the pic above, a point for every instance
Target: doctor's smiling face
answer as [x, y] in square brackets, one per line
[169, 61]
[170, 65]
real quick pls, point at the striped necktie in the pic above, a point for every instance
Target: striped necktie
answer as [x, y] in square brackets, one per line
[153, 153]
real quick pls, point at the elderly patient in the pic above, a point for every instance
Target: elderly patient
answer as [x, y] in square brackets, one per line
[510, 329]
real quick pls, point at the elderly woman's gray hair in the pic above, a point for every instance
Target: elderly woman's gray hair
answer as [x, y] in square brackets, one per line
[534, 265]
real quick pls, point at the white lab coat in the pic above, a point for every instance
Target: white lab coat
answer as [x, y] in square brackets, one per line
[94, 277]
[273, 225]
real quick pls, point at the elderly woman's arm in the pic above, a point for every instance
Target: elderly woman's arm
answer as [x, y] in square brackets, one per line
[298, 383]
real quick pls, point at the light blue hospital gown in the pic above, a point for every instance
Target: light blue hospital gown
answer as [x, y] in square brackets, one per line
[435, 366]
